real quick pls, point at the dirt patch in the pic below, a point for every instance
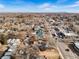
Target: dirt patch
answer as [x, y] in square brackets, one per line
[50, 54]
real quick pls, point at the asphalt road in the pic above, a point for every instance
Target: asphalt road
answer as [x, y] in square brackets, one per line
[66, 51]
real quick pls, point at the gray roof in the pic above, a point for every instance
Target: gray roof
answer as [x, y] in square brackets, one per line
[6, 57]
[77, 44]
[8, 53]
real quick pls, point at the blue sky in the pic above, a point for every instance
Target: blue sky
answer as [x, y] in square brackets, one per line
[39, 6]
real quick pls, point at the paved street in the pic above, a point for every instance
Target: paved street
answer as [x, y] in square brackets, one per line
[66, 51]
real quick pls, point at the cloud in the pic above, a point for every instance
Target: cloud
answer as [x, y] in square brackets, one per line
[76, 4]
[1, 6]
[46, 6]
